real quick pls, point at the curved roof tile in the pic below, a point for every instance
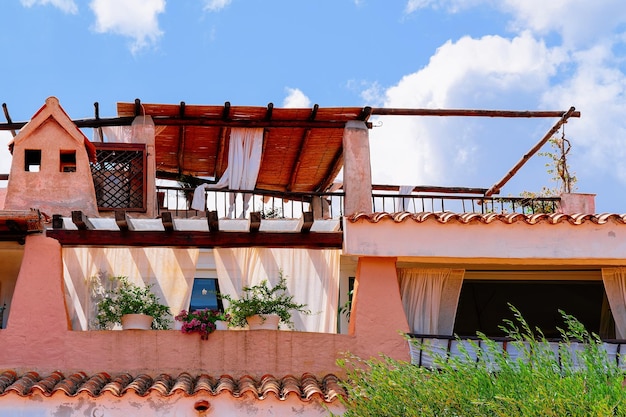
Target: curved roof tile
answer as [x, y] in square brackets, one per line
[306, 388]
[486, 218]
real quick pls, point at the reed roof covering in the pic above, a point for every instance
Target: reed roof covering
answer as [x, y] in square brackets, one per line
[302, 147]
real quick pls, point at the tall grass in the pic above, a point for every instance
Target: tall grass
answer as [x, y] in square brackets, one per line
[577, 378]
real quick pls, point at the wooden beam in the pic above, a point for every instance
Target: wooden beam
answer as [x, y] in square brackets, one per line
[57, 221]
[432, 189]
[181, 149]
[138, 111]
[307, 222]
[225, 120]
[146, 238]
[470, 113]
[332, 172]
[314, 111]
[365, 113]
[226, 111]
[221, 158]
[255, 221]
[495, 189]
[213, 220]
[123, 221]
[168, 221]
[96, 111]
[270, 109]
[81, 220]
[196, 121]
[304, 140]
[8, 117]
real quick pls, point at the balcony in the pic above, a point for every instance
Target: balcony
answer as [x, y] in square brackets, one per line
[330, 205]
[426, 349]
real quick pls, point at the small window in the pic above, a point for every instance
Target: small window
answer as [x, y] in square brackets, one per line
[32, 160]
[68, 161]
[204, 295]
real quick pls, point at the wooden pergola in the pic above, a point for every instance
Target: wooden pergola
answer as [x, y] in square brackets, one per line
[302, 147]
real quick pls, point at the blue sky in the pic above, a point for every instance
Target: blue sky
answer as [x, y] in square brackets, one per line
[480, 54]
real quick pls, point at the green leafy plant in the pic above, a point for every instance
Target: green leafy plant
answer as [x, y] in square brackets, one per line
[263, 299]
[128, 298]
[558, 167]
[576, 378]
[346, 308]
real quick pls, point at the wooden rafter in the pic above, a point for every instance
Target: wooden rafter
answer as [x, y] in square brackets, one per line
[270, 109]
[304, 140]
[329, 177]
[470, 113]
[314, 111]
[495, 189]
[220, 162]
[8, 117]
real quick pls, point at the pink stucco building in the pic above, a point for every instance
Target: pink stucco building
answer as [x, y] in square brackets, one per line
[77, 210]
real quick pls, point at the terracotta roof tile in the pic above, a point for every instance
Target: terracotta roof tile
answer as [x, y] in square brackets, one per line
[305, 388]
[94, 384]
[204, 383]
[486, 218]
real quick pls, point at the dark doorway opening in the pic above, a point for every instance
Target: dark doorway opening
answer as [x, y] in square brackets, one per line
[484, 304]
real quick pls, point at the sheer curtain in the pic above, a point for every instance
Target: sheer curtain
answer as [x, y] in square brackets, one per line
[86, 273]
[430, 297]
[615, 286]
[244, 161]
[403, 203]
[312, 278]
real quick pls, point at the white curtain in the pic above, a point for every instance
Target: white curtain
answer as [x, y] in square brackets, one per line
[403, 203]
[125, 134]
[171, 271]
[430, 297]
[244, 161]
[615, 286]
[312, 278]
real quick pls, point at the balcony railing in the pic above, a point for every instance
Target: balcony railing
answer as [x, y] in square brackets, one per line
[280, 205]
[424, 349]
[417, 203]
[235, 204]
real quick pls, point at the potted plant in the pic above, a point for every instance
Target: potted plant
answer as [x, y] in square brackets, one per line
[204, 321]
[121, 304]
[264, 306]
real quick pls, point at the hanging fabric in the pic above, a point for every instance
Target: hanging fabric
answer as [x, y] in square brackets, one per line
[430, 297]
[312, 277]
[244, 162]
[615, 287]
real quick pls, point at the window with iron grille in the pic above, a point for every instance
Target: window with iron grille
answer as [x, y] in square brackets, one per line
[119, 176]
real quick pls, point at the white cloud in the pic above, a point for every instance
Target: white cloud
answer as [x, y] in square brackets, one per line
[598, 89]
[67, 6]
[135, 19]
[296, 99]
[576, 21]
[452, 6]
[216, 5]
[471, 73]
[579, 22]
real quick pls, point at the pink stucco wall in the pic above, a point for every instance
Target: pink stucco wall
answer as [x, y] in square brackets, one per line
[107, 405]
[432, 241]
[50, 190]
[38, 335]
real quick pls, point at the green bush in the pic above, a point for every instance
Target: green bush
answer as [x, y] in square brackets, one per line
[539, 382]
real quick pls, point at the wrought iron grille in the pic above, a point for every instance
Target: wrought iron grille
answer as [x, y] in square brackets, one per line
[119, 177]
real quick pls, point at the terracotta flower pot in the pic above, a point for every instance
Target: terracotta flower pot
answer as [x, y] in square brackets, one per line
[263, 322]
[136, 321]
